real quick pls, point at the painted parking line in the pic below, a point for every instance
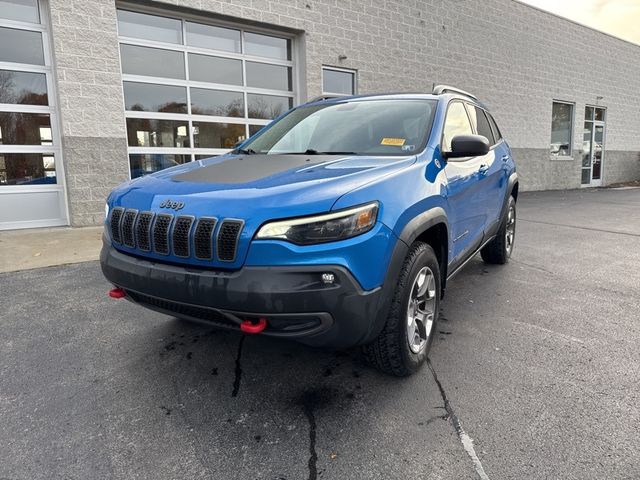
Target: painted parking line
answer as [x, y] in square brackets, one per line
[568, 338]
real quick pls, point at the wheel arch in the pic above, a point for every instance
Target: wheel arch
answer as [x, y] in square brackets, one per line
[512, 190]
[514, 186]
[431, 227]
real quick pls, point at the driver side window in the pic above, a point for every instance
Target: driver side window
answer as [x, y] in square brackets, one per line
[457, 123]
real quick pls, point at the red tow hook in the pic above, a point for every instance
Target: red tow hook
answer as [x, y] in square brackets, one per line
[117, 293]
[248, 326]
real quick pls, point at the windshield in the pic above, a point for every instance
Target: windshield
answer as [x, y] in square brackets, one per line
[371, 127]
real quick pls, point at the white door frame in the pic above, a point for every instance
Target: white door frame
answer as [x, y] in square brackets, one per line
[596, 124]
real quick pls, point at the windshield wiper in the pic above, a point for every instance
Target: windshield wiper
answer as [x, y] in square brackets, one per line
[311, 151]
[245, 151]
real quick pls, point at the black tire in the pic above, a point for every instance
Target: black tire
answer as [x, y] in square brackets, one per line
[390, 351]
[498, 250]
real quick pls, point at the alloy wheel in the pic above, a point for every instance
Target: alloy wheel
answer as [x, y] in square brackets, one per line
[510, 232]
[421, 310]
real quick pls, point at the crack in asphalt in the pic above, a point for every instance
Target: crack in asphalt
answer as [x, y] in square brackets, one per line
[311, 401]
[466, 440]
[238, 377]
[534, 267]
[429, 421]
[313, 454]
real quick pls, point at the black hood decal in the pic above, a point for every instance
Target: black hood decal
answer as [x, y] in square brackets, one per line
[249, 168]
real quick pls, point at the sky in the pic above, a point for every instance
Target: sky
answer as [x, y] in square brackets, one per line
[617, 17]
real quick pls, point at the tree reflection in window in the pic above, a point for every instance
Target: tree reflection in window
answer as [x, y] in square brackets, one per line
[24, 88]
[25, 129]
[267, 106]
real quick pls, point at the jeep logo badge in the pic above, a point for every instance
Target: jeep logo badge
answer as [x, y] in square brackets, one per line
[170, 204]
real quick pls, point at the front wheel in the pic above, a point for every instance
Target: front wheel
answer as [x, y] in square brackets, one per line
[404, 343]
[498, 250]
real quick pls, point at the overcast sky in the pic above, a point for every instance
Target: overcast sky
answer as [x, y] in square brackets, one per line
[617, 17]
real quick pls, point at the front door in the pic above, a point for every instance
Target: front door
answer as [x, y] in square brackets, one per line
[467, 187]
[593, 147]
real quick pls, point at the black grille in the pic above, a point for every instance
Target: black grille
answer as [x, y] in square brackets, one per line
[128, 221]
[185, 236]
[227, 241]
[181, 309]
[143, 231]
[181, 230]
[161, 233]
[203, 238]
[116, 216]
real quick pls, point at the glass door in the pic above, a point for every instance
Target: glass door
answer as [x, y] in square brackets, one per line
[597, 152]
[593, 147]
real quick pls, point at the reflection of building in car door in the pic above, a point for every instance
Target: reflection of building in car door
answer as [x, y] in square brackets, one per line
[465, 186]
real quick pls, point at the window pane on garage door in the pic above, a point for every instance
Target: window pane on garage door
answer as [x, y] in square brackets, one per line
[197, 96]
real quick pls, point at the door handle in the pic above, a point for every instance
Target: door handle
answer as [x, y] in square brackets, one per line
[505, 158]
[483, 169]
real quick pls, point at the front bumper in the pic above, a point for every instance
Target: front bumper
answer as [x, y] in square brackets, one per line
[295, 301]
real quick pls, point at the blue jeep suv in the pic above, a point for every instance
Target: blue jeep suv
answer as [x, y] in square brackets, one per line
[339, 224]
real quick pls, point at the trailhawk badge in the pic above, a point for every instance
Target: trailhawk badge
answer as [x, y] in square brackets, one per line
[168, 203]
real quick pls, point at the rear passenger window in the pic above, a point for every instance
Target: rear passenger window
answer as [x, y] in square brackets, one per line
[480, 123]
[496, 131]
[457, 123]
[484, 128]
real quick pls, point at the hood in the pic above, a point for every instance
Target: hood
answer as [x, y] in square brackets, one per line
[253, 188]
[238, 185]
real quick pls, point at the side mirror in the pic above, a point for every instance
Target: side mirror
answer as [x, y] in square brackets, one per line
[468, 146]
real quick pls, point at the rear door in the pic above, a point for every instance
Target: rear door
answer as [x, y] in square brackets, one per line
[500, 174]
[494, 165]
[465, 187]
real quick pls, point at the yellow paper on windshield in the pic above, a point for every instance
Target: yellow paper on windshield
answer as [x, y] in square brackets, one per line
[395, 142]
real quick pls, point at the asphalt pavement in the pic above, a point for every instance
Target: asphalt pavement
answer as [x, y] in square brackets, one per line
[535, 374]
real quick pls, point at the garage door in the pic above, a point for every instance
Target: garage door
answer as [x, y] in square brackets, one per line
[193, 89]
[31, 177]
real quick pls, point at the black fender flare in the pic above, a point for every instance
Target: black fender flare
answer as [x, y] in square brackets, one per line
[423, 222]
[513, 180]
[411, 231]
[420, 224]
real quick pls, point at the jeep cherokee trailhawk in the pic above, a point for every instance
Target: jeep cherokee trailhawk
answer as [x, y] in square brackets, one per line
[336, 225]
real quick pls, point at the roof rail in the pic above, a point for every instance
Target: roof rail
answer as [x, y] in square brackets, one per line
[326, 96]
[440, 89]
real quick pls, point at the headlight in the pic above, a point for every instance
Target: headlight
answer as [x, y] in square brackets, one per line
[106, 210]
[323, 228]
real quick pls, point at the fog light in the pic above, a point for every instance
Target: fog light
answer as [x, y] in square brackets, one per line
[328, 278]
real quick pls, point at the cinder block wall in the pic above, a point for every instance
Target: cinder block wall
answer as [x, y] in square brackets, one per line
[516, 58]
[87, 65]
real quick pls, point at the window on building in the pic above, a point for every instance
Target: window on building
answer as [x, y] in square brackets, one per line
[561, 129]
[20, 10]
[457, 123]
[28, 146]
[193, 90]
[594, 114]
[338, 81]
